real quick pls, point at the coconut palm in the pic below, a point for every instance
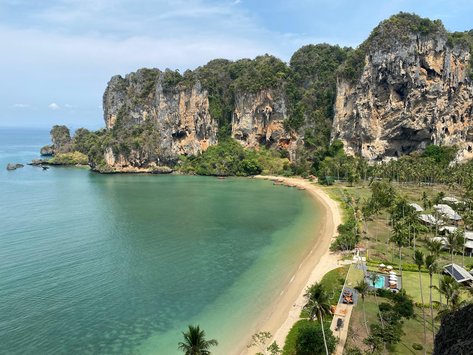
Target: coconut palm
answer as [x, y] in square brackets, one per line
[362, 287]
[419, 261]
[195, 343]
[453, 240]
[400, 238]
[431, 264]
[319, 305]
[434, 247]
[448, 287]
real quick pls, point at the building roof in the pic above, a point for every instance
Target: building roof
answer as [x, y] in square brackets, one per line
[458, 273]
[429, 219]
[469, 244]
[448, 229]
[448, 212]
[451, 199]
[468, 235]
[416, 207]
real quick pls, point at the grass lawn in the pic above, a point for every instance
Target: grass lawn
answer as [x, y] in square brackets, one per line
[376, 239]
[413, 328]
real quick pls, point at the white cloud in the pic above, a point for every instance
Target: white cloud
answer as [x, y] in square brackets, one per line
[21, 105]
[54, 106]
[68, 106]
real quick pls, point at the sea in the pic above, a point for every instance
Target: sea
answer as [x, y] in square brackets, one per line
[122, 264]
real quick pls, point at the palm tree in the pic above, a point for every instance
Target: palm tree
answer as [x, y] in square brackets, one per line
[362, 287]
[400, 237]
[419, 261]
[195, 343]
[453, 241]
[431, 264]
[319, 305]
[434, 247]
[448, 288]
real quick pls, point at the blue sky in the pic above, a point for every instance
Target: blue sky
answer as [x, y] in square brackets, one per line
[58, 55]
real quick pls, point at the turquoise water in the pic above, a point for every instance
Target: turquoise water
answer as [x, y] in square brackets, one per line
[123, 263]
[380, 282]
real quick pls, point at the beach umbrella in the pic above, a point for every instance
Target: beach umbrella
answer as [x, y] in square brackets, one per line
[392, 282]
[382, 265]
[389, 267]
[392, 272]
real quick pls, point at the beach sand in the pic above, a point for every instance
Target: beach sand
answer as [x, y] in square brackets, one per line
[285, 311]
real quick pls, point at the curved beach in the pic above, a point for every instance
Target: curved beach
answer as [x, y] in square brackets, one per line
[284, 312]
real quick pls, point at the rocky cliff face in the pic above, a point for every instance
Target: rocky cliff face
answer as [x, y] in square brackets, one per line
[259, 118]
[178, 118]
[411, 93]
[179, 122]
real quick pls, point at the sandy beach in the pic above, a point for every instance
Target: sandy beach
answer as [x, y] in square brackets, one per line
[285, 311]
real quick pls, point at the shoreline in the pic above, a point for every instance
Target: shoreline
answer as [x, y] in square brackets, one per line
[285, 310]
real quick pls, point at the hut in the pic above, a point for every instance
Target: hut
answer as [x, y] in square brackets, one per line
[430, 220]
[416, 207]
[448, 213]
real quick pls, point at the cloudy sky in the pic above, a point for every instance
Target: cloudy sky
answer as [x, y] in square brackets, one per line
[58, 55]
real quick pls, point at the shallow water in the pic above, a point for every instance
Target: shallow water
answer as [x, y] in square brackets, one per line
[122, 264]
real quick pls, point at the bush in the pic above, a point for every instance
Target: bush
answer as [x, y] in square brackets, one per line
[417, 346]
[310, 340]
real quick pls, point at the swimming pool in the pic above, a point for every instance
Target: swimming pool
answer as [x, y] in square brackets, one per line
[380, 282]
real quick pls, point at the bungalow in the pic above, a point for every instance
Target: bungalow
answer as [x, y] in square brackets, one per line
[469, 243]
[430, 220]
[447, 229]
[458, 273]
[448, 212]
[416, 207]
[451, 200]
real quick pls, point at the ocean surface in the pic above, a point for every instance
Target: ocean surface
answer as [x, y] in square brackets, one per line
[121, 264]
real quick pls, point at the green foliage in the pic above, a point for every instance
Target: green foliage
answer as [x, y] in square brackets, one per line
[440, 154]
[149, 78]
[417, 346]
[71, 158]
[310, 340]
[195, 342]
[310, 94]
[228, 157]
[171, 79]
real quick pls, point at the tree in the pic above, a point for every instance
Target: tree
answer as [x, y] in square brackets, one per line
[362, 287]
[318, 305]
[449, 288]
[195, 343]
[419, 261]
[309, 338]
[431, 264]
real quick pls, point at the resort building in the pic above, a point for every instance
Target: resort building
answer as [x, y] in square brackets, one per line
[416, 207]
[448, 213]
[458, 273]
[430, 220]
[451, 200]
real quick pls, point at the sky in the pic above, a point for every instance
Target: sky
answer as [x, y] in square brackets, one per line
[57, 56]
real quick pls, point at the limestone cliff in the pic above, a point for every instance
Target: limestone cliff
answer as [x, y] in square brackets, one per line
[412, 92]
[176, 118]
[258, 119]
